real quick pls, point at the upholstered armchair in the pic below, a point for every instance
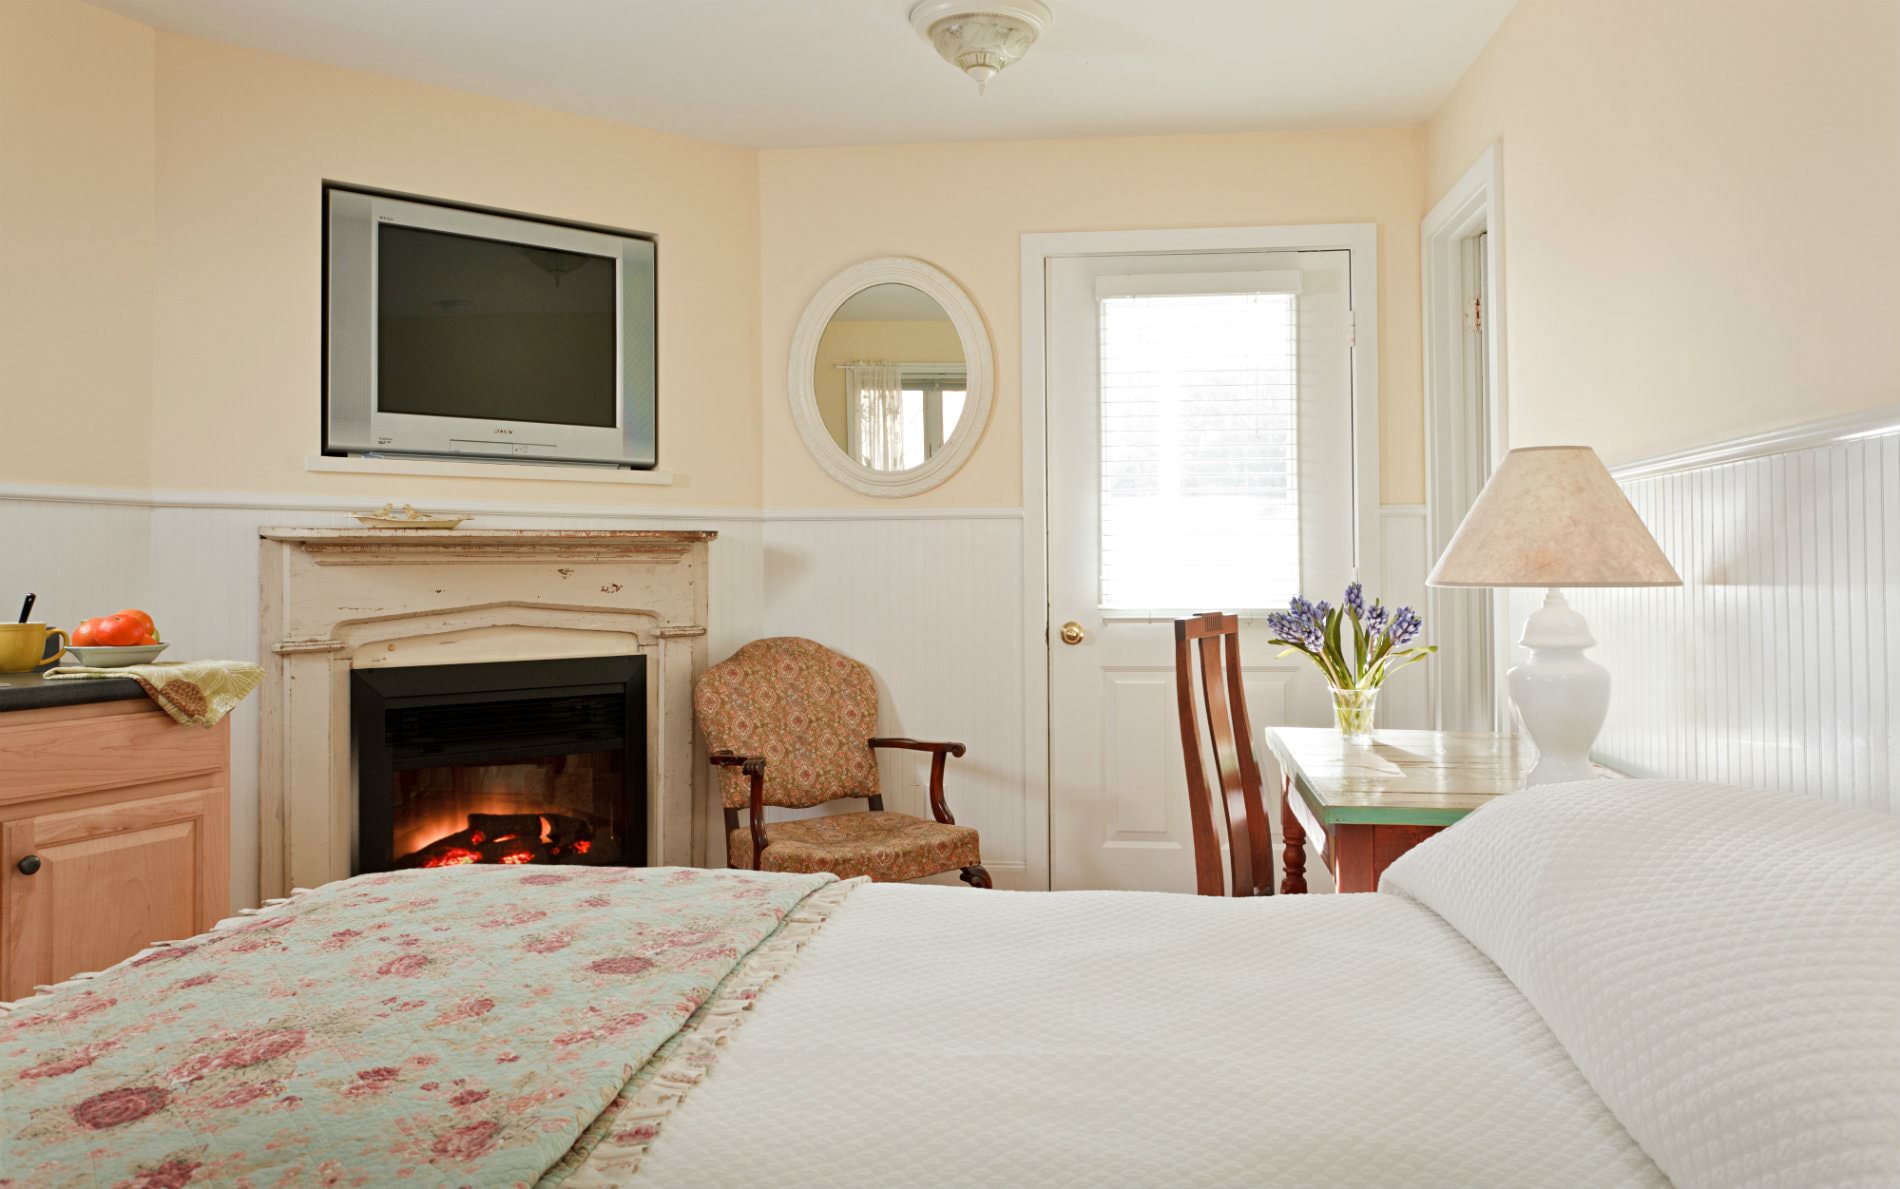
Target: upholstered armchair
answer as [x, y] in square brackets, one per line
[791, 723]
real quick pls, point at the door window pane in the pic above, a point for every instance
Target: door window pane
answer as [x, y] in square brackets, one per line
[952, 410]
[1199, 444]
[916, 449]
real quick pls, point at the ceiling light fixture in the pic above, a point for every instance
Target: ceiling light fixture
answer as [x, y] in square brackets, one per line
[980, 37]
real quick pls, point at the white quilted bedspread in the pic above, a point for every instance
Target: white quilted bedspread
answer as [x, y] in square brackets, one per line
[1723, 965]
[945, 1037]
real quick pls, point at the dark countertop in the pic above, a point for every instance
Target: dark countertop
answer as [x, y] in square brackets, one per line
[30, 691]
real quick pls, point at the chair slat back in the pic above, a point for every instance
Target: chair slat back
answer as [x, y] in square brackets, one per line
[1215, 639]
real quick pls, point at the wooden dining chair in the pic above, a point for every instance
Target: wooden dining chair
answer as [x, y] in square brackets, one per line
[1215, 637]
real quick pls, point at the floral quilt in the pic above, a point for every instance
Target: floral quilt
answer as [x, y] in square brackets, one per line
[457, 1026]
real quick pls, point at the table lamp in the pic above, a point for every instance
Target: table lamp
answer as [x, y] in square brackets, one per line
[1552, 516]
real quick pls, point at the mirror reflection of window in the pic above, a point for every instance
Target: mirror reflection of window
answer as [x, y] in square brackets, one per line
[890, 377]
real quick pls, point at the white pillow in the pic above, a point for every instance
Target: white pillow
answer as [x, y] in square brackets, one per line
[1723, 965]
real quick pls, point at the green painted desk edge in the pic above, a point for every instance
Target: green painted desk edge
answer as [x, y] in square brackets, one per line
[1365, 815]
[1357, 815]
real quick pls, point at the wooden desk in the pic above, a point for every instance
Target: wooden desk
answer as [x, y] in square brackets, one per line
[1371, 803]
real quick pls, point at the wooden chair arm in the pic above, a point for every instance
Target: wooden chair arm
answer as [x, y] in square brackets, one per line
[955, 749]
[732, 759]
[939, 752]
[754, 769]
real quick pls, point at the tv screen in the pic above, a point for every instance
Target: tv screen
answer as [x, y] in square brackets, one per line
[483, 328]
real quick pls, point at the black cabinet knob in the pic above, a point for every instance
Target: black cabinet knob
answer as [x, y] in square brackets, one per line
[29, 865]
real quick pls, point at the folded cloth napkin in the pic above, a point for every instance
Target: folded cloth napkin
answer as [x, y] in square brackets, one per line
[195, 692]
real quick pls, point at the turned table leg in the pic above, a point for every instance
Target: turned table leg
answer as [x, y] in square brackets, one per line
[1293, 847]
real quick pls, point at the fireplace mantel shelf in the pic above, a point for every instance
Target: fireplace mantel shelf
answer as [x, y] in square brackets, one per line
[553, 538]
[383, 546]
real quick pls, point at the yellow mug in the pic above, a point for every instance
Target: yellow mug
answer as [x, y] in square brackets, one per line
[23, 646]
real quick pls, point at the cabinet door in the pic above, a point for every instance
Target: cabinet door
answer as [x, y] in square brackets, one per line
[110, 880]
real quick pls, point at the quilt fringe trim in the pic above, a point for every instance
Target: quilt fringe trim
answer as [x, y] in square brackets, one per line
[635, 1126]
[75, 982]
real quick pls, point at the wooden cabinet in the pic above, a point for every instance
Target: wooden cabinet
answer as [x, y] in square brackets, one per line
[114, 833]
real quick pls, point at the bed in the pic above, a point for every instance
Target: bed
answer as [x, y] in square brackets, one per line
[1632, 983]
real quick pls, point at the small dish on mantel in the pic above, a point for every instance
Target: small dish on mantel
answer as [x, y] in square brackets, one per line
[390, 516]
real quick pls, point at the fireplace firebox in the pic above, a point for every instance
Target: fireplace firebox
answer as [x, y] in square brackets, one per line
[512, 762]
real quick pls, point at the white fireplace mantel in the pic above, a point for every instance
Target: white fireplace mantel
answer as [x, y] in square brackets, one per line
[335, 600]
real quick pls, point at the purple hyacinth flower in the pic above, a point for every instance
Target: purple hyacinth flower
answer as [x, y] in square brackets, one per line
[1376, 619]
[1356, 600]
[1405, 625]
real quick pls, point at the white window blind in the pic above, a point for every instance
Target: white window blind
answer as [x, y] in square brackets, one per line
[1199, 444]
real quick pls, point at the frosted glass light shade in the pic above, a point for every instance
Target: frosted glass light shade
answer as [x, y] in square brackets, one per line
[980, 37]
[1552, 516]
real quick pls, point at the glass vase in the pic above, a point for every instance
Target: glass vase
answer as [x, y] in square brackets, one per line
[1353, 710]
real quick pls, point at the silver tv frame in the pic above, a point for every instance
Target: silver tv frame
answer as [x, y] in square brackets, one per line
[354, 423]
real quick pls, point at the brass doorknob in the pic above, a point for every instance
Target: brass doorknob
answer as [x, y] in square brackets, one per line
[1072, 632]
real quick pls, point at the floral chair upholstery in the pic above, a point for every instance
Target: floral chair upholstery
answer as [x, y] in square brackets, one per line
[791, 723]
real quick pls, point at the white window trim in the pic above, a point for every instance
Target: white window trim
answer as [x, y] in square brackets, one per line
[1038, 248]
[1473, 204]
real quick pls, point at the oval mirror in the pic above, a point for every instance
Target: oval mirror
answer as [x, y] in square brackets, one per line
[890, 378]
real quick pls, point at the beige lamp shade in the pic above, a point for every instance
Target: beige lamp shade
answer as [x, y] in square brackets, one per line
[1553, 516]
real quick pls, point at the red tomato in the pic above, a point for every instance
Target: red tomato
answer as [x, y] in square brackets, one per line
[83, 634]
[151, 628]
[119, 630]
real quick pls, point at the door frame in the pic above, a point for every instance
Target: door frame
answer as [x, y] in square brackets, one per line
[1038, 248]
[1474, 204]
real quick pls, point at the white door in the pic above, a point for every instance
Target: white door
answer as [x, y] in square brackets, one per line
[1200, 459]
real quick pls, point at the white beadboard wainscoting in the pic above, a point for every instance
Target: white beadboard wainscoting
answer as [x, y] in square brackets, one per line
[1777, 663]
[931, 600]
[76, 556]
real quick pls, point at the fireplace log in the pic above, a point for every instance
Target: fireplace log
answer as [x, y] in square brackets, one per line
[495, 837]
[498, 825]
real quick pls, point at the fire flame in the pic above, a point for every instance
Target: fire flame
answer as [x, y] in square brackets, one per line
[458, 850]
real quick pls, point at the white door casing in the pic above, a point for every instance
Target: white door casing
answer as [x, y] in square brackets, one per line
[1462, 249]
[1117, 792]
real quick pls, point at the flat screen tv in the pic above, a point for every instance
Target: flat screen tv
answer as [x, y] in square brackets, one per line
[455, 332]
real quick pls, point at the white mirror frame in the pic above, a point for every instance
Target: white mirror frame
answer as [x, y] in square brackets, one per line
[979, 373]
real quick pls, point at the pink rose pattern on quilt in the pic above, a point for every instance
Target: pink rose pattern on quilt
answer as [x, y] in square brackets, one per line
[459, 1026]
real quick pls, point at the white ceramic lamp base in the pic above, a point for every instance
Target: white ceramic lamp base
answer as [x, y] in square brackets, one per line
[1562, 696]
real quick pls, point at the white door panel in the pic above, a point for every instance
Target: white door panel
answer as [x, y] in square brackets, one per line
[1117, 783]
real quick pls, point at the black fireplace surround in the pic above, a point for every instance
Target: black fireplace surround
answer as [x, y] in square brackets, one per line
[510, 762]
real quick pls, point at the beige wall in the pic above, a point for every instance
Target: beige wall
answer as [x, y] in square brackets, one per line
[963, 207]
[168, 300]
[1700, 203]
[245, 141]
[76, 154]
[1702, 213]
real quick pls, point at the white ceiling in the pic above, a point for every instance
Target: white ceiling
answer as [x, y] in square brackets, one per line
[781, 73]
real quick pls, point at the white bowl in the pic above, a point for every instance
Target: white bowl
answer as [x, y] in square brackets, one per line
[102, 656]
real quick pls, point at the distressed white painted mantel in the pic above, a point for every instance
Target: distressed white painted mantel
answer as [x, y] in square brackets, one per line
[338, 599]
